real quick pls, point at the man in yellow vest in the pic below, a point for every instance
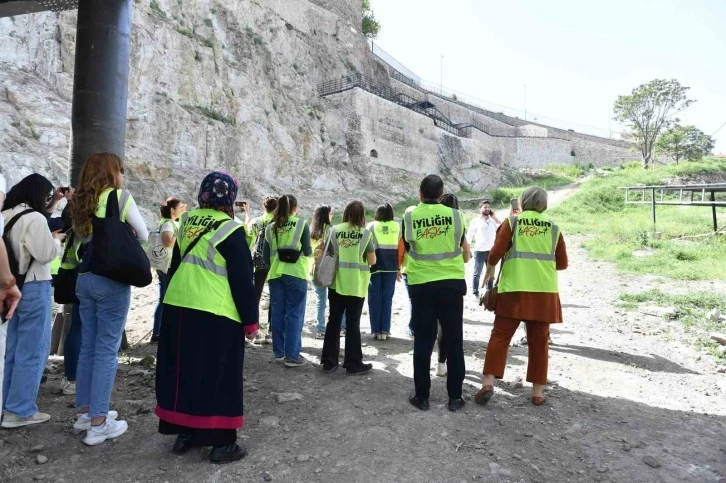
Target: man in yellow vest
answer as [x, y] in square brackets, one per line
[436, 250]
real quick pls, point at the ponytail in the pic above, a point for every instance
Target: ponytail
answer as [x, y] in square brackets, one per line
[285, 205]
[169, 205]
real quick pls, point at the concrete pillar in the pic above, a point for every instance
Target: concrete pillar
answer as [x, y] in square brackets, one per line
[100, 83]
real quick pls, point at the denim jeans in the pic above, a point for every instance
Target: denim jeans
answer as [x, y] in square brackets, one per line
[72, 345]
[27, 350]
[480, 262]
[287, 302]
[163, 284]
[322, 300]
[380, 301]
[103, 308]
[3, 339]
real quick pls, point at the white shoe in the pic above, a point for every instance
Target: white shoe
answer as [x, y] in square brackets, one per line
[11, 420]
[83, 423]
[383, 336]
[110, 429]
[68, 387]
[441, 369]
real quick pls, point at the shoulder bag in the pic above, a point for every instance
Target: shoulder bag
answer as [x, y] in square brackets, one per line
[65, 282]
[326, 266]
[13, 261]
[117, 254]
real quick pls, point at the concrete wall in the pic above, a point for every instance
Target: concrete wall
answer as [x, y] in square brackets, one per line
[601, 154]
[540, 152]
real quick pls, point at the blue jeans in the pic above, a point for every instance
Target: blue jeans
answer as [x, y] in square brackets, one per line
[322, 296]
[480, 262]
[163, 284]
[27, 350]
[72, 345]
[103, 308]
[287, 303]
[380, 301]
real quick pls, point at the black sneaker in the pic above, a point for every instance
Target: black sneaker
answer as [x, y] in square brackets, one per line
[182, 444]
[419, 402]
[227, 454]
[357, 371]
[456, 404]
[154, 340]
[329, 369]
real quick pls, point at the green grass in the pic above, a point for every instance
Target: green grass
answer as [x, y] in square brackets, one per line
[599, 209]
[552, 177]
[692, 308]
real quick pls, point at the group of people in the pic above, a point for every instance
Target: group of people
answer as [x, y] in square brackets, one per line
[210, 295]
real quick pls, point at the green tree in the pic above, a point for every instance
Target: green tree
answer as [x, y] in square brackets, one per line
[371, 27]
[685, 142]
[650, 110]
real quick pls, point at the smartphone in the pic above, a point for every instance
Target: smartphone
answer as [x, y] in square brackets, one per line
[241, 204]
[64, 189]
[514, 203]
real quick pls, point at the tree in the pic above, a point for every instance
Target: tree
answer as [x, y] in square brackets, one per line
[371, 27]
[685, 142]
[649, 110]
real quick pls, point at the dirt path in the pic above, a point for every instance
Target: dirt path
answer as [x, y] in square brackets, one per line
[627, 402]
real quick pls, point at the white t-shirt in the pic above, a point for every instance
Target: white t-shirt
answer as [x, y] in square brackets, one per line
[169, 226]
[482, 232]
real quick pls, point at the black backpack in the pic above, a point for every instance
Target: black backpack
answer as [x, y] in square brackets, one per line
[12, 259]
[258, 260]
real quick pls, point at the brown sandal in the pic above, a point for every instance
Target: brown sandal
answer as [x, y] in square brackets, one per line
[538, 400]
[484, 395]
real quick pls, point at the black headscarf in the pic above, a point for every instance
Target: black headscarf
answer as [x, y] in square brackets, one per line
[33, 190]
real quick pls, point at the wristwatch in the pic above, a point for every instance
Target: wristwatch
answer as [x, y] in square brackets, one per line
[9, 285]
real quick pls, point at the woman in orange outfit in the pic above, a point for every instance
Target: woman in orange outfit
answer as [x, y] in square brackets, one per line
[538, 309]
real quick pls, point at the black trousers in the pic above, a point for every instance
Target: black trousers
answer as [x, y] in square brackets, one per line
[260, 276]
[446, 306]
[352, 307]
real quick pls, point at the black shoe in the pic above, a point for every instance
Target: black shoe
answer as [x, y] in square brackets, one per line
[419, 402]
[456, 404]
[182, 444]
[357, 371]
[154, 339]
[227, 454]
[329, 369]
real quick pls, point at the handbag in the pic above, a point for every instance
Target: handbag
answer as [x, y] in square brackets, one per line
[117, 254]
[326, 266]
[159, 255]
[65, 282]
[489, 299]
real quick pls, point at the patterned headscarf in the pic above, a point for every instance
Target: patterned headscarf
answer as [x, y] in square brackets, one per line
[218, 192]
[534, 198]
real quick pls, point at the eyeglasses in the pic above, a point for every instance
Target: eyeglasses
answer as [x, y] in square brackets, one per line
[122, 170]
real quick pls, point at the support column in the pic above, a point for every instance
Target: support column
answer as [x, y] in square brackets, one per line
[713, 211]
[100, 82]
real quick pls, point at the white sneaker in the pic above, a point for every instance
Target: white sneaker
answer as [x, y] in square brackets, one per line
[83, 423]
[383, 336]
[441, 369]
[68, 387]
[11, 420]
[110, 429]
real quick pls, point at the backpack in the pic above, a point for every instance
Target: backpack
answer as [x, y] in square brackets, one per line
[158, 254]
[12, 259]
[258, 260]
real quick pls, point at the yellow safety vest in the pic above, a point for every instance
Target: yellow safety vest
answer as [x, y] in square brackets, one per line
[200, 282]
[433, 233]
[124, 202]
[289, 237]
[385, 236]
[70, 259]
[353, 272]
[530, 265]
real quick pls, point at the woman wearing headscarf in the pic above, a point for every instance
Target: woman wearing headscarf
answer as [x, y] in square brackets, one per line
[209, 309]
[528, 291]
[28, 331]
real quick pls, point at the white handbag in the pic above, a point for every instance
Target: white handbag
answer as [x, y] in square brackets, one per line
[326, 265]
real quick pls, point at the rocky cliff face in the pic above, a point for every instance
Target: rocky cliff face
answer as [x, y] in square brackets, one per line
[214, 84]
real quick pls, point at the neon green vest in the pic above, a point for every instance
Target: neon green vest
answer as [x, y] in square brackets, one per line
[201, 282]
[70, 258]
[124, 202]
[530, 265]
[353, 273]
[385, 236]
[433, 233]
[55, 265]
[289, 236]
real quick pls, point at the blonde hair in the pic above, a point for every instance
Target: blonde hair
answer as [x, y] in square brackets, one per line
[100, 172]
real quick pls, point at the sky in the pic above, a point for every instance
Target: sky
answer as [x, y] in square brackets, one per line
[574, 56]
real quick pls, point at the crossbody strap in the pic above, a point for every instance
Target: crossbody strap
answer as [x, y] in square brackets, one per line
[10, 225]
